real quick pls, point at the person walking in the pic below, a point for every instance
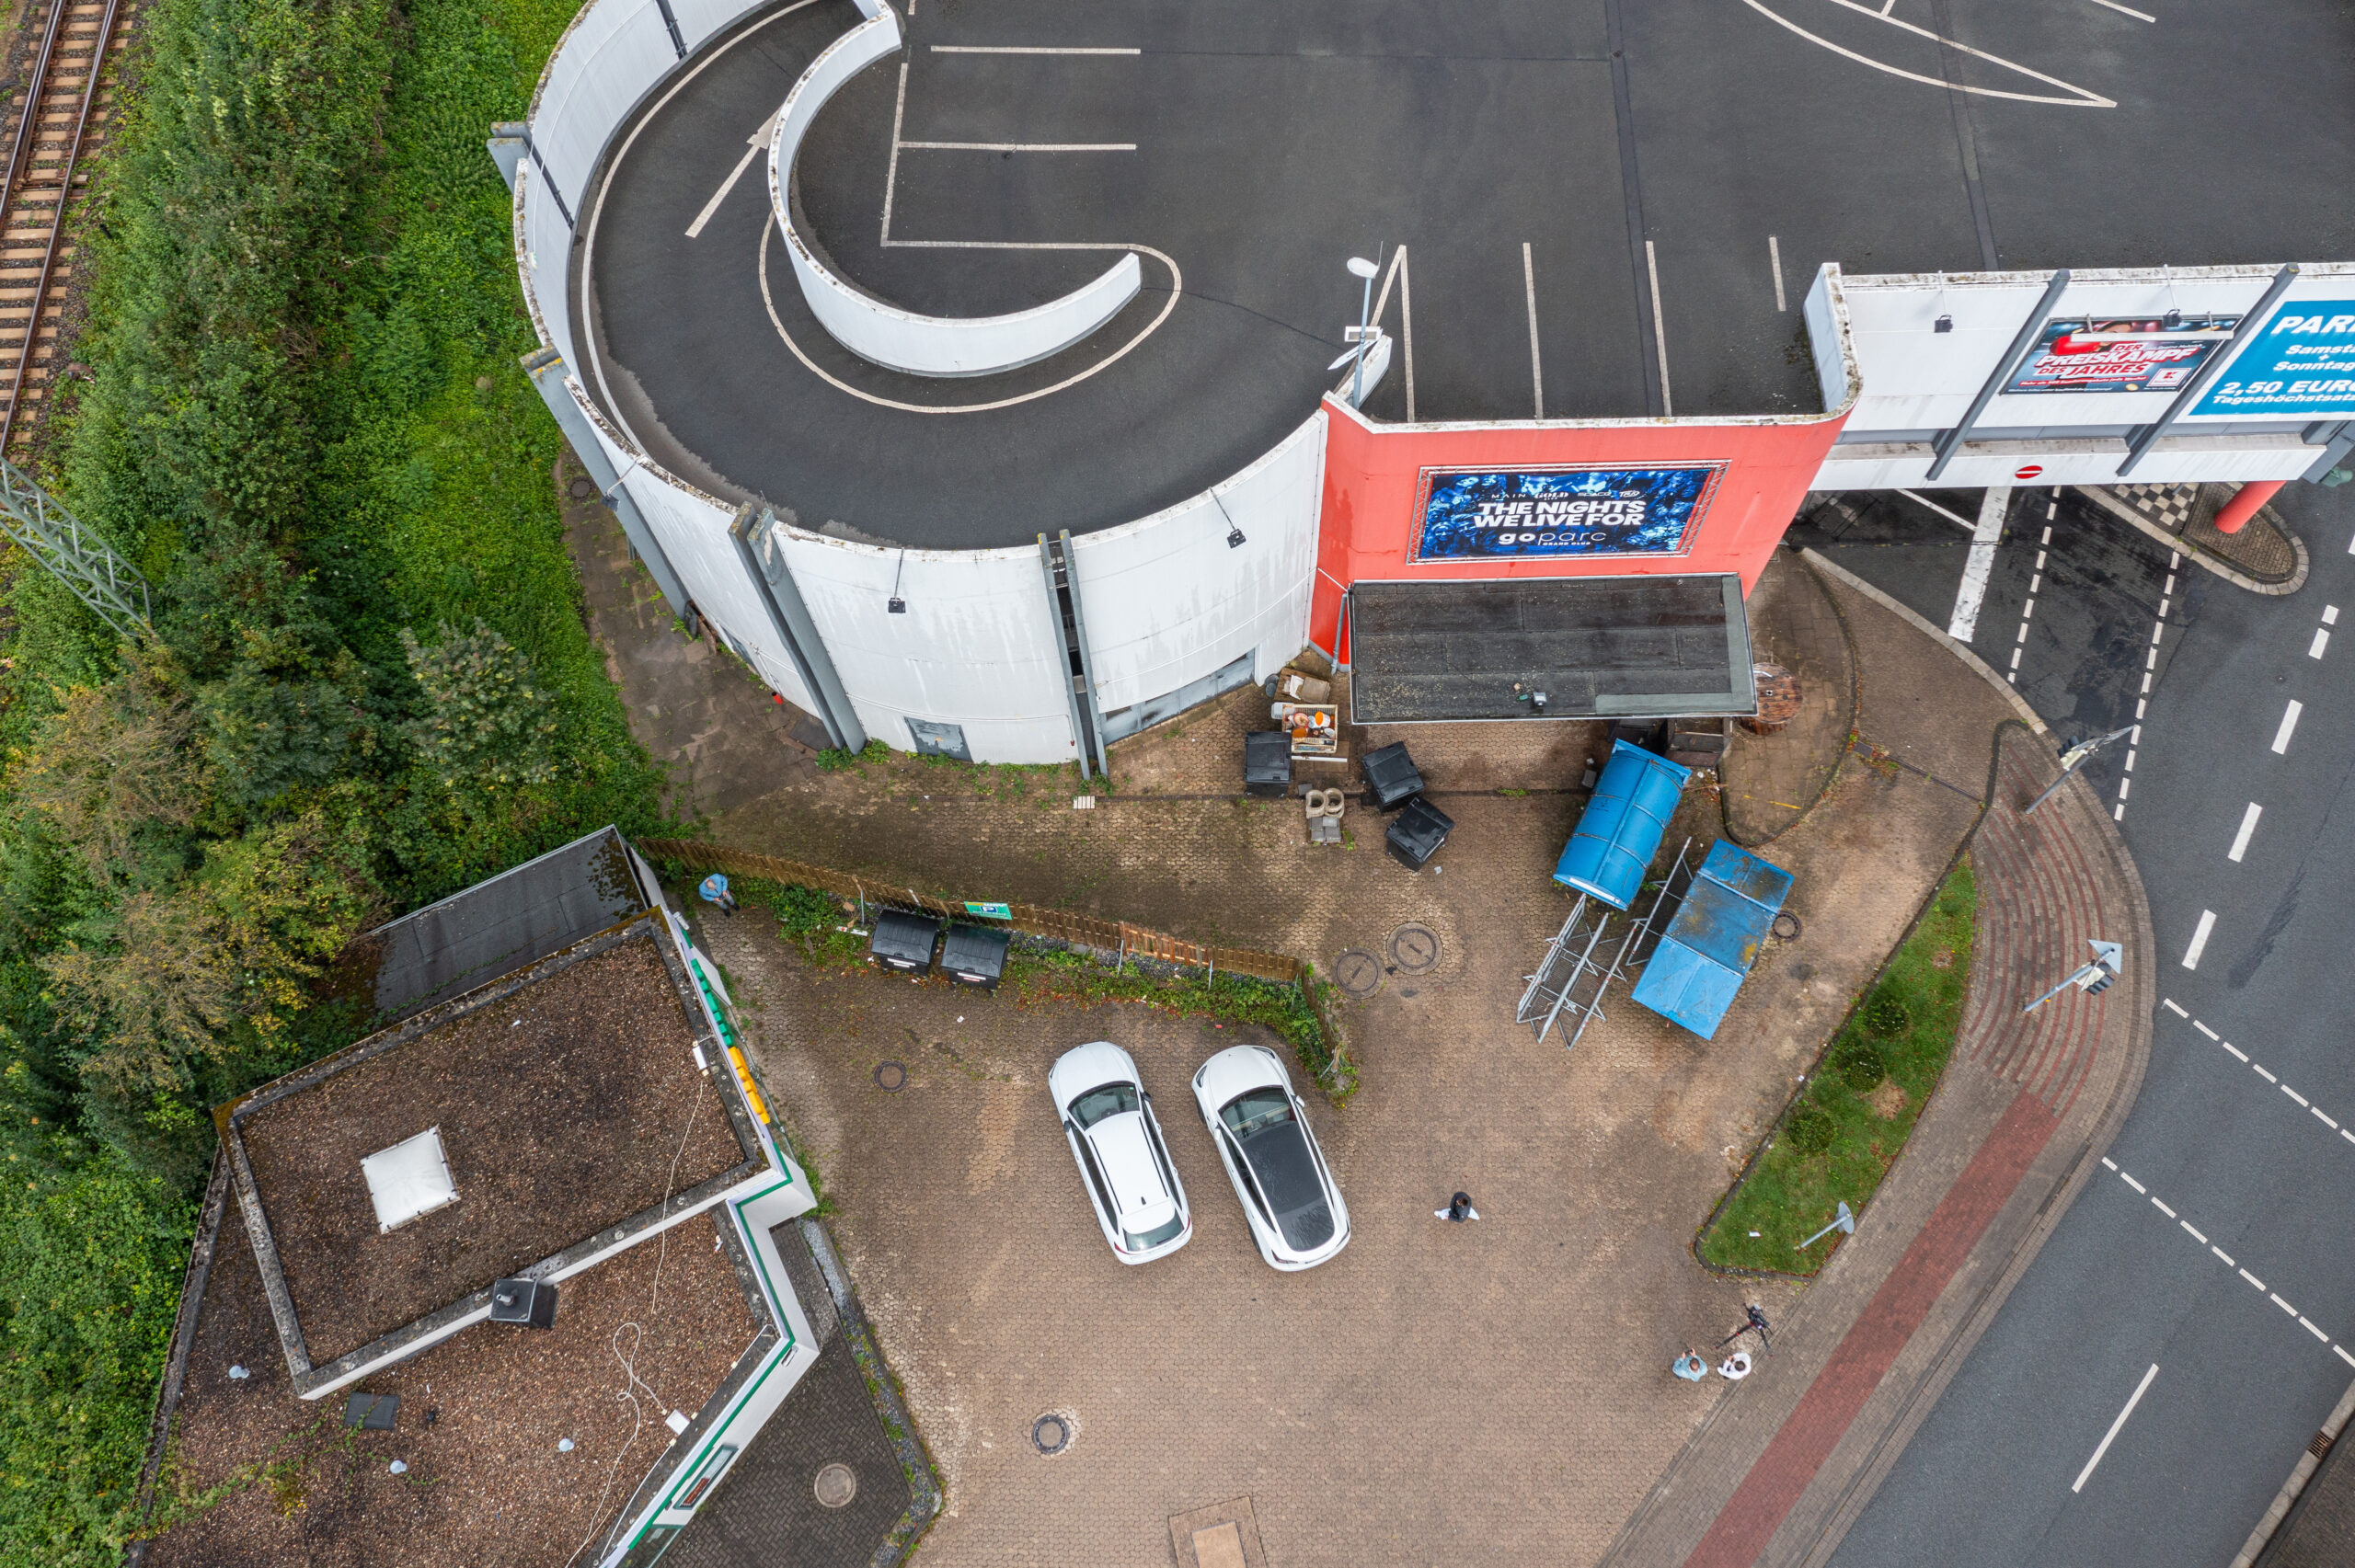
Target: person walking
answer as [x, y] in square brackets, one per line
[715, 891]
[1459, 1208]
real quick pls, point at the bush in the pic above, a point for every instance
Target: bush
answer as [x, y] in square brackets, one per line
[1861, 1065]
[1884, 1014]
[1810, 1129]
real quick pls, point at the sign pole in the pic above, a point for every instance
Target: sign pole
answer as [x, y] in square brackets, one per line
[2149, 436]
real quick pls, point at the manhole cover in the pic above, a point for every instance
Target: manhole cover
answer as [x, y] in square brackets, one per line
[1357, 972]
[891, 1077]
[1415, 949]
[836, 1485]
[582, 489]
[1050, 1434]
[1787, 926]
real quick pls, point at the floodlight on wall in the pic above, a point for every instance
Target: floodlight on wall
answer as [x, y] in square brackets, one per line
[1944, 323]
[895, 604]
[1235, 540]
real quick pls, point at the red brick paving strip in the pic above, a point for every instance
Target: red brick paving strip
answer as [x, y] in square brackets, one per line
[1866, 1353]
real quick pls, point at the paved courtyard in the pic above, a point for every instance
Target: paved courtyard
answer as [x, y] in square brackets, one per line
[1437, 1394]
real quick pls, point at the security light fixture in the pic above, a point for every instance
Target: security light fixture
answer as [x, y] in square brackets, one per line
[1361, 268]
[895, 604]
[1944, 323]
[1233, 537]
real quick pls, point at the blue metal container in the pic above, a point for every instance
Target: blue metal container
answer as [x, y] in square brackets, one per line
[1708, 948]
[1620, 830]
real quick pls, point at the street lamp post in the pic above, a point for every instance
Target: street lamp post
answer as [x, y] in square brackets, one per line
[1364, 270]
[2074, 758]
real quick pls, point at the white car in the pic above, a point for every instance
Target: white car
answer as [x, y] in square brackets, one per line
[1289, 1195]
[1123, 1160]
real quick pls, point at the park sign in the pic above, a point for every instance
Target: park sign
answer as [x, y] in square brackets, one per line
[2299, 365]
[1582, 510]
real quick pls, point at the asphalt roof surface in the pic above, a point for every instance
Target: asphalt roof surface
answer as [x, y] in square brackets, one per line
[1269, 144]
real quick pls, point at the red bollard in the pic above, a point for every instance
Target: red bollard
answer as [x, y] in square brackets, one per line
[2243, 507]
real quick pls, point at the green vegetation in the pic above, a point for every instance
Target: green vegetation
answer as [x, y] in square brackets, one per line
[1840, 1136]
[372, 683]
[1059, 976]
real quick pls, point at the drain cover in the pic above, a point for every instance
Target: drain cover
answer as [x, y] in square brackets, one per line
[1050, 1434]
[836, 1485]
[1415, 949]
[582, 489]
[1787, 926]
[891, 1077]
[1357, 972]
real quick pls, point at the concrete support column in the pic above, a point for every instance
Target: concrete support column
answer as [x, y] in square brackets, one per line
[2243, 507]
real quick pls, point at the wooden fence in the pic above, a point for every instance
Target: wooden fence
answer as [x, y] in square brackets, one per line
[1061, 925]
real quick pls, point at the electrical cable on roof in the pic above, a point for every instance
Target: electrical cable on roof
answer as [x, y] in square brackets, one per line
[630, 1362]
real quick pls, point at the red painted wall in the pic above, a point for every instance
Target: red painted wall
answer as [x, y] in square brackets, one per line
[1372, 473]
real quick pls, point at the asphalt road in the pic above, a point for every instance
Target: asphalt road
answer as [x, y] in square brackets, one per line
[2238, 1152]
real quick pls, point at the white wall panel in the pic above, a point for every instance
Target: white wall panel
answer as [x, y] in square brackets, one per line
[612, 55]
[1167, 601]
[692, 528]
[976, 646]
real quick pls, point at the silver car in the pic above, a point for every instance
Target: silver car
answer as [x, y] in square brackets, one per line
[1123, 1160]
[1290, 1198]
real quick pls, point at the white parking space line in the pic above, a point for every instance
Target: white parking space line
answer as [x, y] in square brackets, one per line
[1020, 49]
[753, 145]
[891, 175]
[1020, 146]
[2128, 10]
[2289, 724]
[1953, 517]
[1537, 370]
[1775, 261]
[2248, 825]
[1971, 592]
[2200, 939]
[2114, 1427]
[1660, 338]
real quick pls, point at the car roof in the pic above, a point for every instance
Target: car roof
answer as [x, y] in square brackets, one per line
[1238, 1069]
[1125, 1152]
[1089, 1067]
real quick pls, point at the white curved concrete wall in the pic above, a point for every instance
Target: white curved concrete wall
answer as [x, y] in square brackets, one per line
[1166, 601]
[884, 334]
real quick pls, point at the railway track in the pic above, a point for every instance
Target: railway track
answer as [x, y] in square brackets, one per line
[62, 115]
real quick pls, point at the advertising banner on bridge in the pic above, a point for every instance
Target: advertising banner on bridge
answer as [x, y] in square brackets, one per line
[2117, 354]
[1488, 514]
[2300, 365]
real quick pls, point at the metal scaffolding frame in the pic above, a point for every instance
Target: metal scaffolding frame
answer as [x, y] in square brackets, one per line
[1585, 956]
[74, 555]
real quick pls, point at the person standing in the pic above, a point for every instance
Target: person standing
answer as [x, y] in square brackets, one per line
[1459, 1208]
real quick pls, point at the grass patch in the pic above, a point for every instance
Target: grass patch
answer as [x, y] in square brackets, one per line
[1235, 999]
[1839, 1137]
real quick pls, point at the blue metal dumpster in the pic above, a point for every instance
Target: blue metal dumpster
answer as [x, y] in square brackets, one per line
[1709, 947]
[1620, 829]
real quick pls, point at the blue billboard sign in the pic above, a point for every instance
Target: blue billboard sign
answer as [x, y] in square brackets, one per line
[2300, 365]
[1493, 513]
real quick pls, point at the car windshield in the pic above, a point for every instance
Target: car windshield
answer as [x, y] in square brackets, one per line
[1139, 1240]
[1110, 1100]
[1252, 1113]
